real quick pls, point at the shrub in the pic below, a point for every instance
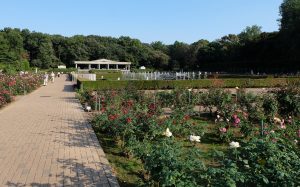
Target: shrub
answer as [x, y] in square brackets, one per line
[11, 85]
[270, 106]
[260, 162]
[170, 165]
[289, 100]
[252, 105]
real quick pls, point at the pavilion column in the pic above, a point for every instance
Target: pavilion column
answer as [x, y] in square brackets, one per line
[107, 66]
[98, 66]
[90, 66]
[117, 66]
[76, 66]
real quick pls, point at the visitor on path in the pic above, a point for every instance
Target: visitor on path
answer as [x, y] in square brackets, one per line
[52, 77]
[58, 74]
[45, 79]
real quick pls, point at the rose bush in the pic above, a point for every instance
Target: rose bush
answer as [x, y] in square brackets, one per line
[162, 141]
[259, 162]
[12, 85]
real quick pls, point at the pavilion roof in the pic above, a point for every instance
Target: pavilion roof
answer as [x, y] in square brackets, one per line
[102, 61]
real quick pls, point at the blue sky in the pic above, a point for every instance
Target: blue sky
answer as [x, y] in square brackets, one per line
[147, 20]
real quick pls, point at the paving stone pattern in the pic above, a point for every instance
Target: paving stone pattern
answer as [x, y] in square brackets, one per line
[45, 140]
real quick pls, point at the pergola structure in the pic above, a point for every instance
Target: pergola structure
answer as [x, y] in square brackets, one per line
[103, 64]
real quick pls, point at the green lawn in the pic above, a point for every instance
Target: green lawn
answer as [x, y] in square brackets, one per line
[129, 170]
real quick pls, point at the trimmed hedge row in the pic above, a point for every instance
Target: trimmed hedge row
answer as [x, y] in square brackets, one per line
[171, 84]
[235, 76]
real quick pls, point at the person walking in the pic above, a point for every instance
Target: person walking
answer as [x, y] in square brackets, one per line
[52, 77]
[45, 79]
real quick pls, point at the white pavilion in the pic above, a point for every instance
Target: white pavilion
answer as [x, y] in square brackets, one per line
[103, 64]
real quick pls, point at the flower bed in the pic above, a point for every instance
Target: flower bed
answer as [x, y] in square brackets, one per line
[245, 140]
[12, 85]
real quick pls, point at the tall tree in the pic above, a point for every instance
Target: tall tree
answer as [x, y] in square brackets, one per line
[290, 12]
[41, 50]
[193, 53]
[251, 33]
[5, 55]
[158, 45]
[179, 55]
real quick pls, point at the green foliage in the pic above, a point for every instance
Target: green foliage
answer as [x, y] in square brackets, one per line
[182, 84]
[249, 50]
[41, 50]
[11, 45]
[224, 136]
[25, 65]
[260, 162]
[10, 69]
[138, 124]
[289, 100]
[270, 106]
[166, 98]
[170, 165]
[251, 104]
[250, 33]
[290, 12]
[179, 55]
[218, 98]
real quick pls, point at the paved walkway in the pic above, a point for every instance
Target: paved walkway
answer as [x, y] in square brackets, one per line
[46, 141]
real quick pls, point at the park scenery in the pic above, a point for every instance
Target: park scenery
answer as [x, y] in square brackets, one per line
[100, 110]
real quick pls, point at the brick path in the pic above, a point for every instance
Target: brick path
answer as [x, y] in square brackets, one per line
[46, 141]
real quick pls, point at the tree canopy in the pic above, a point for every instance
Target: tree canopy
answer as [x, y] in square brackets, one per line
[249, 50]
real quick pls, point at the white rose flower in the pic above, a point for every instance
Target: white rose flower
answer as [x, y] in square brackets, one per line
[234, 144]
[277, 120]
[194, 138]
[167, 133]
[88, 108]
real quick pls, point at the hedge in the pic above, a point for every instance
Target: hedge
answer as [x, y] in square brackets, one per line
[196, 84]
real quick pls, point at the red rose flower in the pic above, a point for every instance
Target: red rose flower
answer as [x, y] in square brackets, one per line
[128, 120]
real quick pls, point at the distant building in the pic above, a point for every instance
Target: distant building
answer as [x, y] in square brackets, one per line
[61, 67]
[143, 67]
[103, 64]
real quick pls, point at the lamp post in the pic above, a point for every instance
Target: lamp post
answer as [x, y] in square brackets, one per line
[236, 93]
[190, 95]
[262, 127]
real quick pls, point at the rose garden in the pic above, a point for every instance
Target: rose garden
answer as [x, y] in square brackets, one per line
[150, 94]
[192, 137]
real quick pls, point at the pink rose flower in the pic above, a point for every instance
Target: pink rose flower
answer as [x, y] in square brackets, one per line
[223, 130]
